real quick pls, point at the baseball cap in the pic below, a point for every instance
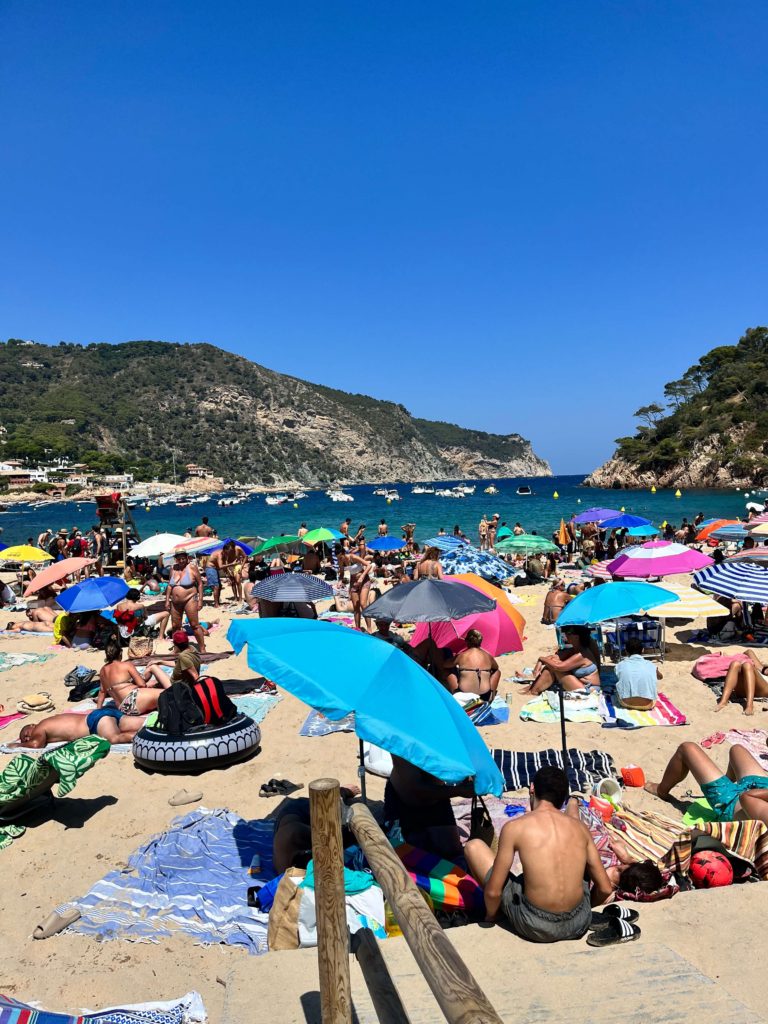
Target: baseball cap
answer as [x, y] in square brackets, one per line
[180, 638]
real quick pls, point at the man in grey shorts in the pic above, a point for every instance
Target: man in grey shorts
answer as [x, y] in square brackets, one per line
[551, 900]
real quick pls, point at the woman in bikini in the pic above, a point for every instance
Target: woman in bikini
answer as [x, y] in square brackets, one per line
[574, 666]
[360, 568]
[474, 670]
[745, 679]
[124, 684]
[184, 596]
[429, 567]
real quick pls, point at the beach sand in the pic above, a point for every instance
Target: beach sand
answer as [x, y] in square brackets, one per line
[115, 808]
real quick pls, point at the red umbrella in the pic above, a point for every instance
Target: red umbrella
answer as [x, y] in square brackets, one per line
[500, 633]
[57, 571]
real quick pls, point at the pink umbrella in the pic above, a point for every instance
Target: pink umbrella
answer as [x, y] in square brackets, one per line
[658, 558]
[57, 571]
[500, 633]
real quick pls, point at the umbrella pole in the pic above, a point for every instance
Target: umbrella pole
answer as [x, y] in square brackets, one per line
[361, 772]
[562, 728]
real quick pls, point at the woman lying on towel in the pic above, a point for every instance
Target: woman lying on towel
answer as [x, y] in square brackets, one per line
[745, 679]
[575, 666]
[740, 794]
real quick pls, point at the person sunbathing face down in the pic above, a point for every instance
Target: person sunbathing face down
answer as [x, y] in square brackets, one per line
[107, 723]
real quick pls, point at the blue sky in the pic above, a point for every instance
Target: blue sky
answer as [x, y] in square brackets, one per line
[518, 216]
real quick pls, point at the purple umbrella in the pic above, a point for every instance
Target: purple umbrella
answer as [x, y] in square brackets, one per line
[595, 515]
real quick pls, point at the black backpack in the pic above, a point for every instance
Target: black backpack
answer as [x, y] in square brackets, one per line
[183, 707]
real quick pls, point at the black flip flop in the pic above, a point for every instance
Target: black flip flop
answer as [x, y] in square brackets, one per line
[280, 787]
[614, 933]
[614, 912]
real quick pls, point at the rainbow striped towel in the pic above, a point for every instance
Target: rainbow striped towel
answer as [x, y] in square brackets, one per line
[665, 713]
[448, 885]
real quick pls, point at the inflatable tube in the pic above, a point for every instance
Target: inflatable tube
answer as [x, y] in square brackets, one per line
[208, 746]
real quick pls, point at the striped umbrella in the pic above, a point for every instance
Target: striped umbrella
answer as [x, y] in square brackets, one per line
[733, 531]
[757, 555]
[658, 558]
[709, 528]
[744, 581]
[600, 570]
[692, 604]
[757, 529]
[292, 587]
[757, 520]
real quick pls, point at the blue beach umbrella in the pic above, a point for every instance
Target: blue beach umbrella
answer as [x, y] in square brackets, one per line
[231, 540]
[742, 580]
[93, 595]
[734, 531]
[397, 704]
[386, 544]
[623, 519]
[446, 543]
[643, 531]
[611, 601]
[595, 515]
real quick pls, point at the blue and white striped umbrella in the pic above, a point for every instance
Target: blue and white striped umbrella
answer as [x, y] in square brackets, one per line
[734, 531]
[743, 581]
[471, 559]
[446, 543]
[292, 586]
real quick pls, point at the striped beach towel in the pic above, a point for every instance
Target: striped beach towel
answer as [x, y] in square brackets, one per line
[187, 1010]
[665, 713]
[582, 767]
[448, 885]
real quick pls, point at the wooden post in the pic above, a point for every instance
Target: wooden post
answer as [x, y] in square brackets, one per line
[386, 1000]
[332, 935]
[460, 997]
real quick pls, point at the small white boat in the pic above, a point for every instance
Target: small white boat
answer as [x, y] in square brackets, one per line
[339, 496]
[381, 492]
[422, 490]
[392, 495]
[465, 488]
[524, 491]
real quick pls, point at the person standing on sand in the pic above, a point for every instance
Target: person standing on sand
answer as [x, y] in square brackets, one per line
[185, 595]
[550, 901]
[98, 547]
[203, 529]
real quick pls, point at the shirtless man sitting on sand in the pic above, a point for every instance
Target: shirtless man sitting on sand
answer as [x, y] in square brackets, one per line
[550, 901]
[126, 686]
[108, 723]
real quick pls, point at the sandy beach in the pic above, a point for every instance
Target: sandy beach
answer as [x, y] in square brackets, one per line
[115, 808]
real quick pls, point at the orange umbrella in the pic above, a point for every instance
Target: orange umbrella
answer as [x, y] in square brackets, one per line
[562, 534]
[711, 527]
[57, 571]
[497, 595]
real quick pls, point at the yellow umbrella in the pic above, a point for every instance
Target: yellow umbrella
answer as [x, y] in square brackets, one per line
[25, 553]
[692, 604]
[562, 534]
[761, 530]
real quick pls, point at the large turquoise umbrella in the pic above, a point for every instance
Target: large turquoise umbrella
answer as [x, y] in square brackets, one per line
[397, 704]
[526, 544]
[612, 601]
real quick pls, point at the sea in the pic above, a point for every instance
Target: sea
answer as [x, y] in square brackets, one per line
[553, 498]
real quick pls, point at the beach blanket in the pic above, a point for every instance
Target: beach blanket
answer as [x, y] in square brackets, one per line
[6, 748]
[665, 714]
[582, 767]
[481, 712]
[257, 705]
[317, 724]
[7, 719]
[193, 878]
[187, 1010]
[577, 705]
[9, 660]
[449, 886]
[754, 740]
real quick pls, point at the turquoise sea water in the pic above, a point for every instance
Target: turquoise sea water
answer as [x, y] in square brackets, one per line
[540, 512]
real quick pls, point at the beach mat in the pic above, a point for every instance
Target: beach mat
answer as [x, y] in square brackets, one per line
[192, 878]
[257, 705]
[582, 767]
[754, 740]
[8, 660]
[187, 1010]
[578, 708]
[316, 724]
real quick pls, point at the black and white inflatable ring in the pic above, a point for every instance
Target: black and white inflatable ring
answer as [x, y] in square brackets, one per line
[207, 746]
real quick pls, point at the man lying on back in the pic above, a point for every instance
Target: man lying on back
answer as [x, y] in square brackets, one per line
[551, 900]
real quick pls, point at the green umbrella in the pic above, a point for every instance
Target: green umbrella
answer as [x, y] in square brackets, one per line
[526, 543]
[285, 540]
[321, 534]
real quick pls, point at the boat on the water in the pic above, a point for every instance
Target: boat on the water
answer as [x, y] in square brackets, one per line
[418, 489]
[338, 495]
[491, 490]
[524, 491]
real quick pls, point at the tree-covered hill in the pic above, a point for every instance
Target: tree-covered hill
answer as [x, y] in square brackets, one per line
[135, 405]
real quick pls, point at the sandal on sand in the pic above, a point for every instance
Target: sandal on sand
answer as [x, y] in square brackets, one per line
[615, 932]
[280, 787]
[183, 797]
[55, 923]
[614, 912]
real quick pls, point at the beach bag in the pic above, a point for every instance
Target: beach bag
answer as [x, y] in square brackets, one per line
[481, 825]
[177, 710]
[212, 700]
[140, 646]
[714, 666]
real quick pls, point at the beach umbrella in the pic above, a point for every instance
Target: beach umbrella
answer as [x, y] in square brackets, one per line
[563, 537]
[599, 570]
[502, 532]
[157, 546]
[757, 530]
[612, 601]
[733, 531]
[658, 558]
[744, 581]
[284, 540]
[758, 555]
[219, 544]
[429, 601]
[468, 559]
[93, 595]
[623, 520]
[25, 553]
[526, 543]
[293, 587]
[445, 543]
[386, 544]
[757, 521]
[321, 534]
[397, 704]
[705, 531]
[502, 628]
[57, 571]
[648, 530]
[692, 604]
[595, 515]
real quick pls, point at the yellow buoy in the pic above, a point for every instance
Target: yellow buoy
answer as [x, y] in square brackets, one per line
[389, 501]
[678, 493]
[664, 525]
[146, 508]
[622, 509]
[295, 504]
[555, 495]
[653, 489]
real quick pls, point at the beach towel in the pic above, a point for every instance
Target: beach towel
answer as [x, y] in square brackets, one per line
[316, 724]
[582, 767]
[257, 705]
[9, 660]
[187, 1010]
[192, 878]
[578, 707]
[7, 719]
[754, 740]
[449, 886]
[665, 713]
[482, 712]
[6, 748]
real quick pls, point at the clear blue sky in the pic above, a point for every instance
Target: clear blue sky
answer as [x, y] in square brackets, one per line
[530, 215]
